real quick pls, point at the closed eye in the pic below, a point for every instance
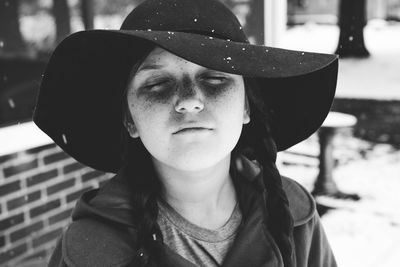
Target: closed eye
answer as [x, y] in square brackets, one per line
[156, 84]
[215, 80]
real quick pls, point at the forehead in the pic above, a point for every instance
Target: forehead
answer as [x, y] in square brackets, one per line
[160, 58]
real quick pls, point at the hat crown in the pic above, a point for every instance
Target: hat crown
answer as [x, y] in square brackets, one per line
[207, 17]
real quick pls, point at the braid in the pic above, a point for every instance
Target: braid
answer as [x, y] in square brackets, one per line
[145, 187]
[141, 177]
[257, 135]
[281, 221]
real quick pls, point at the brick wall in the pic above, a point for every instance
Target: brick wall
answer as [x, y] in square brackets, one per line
[38, 190]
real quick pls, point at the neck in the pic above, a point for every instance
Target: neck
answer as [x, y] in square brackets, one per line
[204, 197]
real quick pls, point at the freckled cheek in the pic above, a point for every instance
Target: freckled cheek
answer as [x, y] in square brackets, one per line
[141, 103]
[146, 114]
[231, 98]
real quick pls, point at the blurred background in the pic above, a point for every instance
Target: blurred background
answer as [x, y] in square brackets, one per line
[351, 165]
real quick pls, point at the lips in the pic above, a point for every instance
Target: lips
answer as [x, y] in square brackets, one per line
[191, 128]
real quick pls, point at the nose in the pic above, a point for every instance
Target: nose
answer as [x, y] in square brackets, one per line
[189, 100]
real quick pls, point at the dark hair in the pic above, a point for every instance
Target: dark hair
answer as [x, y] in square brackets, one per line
[143, 182]
[255, 142]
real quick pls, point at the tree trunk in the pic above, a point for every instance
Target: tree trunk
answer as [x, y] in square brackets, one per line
[352, 19]
[62, 19]
[11, 40]
[255, 21]
[87, 14]
[251, 15]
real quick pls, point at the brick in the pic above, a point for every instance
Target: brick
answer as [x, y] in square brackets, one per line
[8, 157]
[41, 177]
[26, 231]
[12, 170]
[64, 215]
[60, 186]
[73, 167]
[44, 208]
[11, 221]
[20, 201]
[55, 157]
[91, 175]
[2, 241]
[76, 195]
[36, 150]
[50, 236]
[13, 253]
[10, 188]
[42, 254]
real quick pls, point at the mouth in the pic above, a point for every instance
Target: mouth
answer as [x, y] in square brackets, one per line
[192, 130]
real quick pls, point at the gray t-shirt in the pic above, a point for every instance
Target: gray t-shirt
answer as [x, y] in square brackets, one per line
[202, 247]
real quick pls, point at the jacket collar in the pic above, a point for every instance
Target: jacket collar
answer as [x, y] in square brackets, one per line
[111, 202]
[253, 246]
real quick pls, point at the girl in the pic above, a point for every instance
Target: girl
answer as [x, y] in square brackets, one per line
[190, 116]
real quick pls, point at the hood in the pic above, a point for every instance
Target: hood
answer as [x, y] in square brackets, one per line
[111, 201]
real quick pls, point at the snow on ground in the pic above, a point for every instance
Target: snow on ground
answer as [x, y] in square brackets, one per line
[376, 77]
[363, 233]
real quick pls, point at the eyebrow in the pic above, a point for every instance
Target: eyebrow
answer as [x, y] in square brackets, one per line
[150, 66]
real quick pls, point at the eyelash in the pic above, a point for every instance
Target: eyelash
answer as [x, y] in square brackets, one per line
[156, 83]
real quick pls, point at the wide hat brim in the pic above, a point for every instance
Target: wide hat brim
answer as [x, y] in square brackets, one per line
[80, 99]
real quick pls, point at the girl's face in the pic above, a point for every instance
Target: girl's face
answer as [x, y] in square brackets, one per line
[187, 116]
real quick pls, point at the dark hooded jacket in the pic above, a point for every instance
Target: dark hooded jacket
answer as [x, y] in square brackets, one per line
[103, 229]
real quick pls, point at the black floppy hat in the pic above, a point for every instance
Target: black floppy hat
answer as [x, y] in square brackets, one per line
[80, 98]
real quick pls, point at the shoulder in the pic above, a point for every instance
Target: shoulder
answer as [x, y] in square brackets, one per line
[301, 203]
[89, 242]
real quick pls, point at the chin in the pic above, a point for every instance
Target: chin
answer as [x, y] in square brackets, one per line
[196, 160]
[194, 155]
